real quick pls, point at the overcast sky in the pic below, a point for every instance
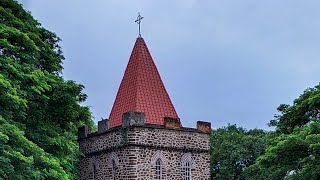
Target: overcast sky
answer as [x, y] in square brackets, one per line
[224, 61]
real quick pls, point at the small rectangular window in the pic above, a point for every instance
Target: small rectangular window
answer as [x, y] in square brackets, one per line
[158, 169]
[187, 171]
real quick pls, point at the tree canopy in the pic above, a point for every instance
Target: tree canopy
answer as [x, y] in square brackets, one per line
[233, 148]
[293, 151]
[39, 110]
[290, 156]
[305, 109]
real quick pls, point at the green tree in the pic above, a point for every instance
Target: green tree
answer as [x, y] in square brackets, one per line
[290, 156]
[293, 151]
[304, 109]
[39, 111]
[233, 148]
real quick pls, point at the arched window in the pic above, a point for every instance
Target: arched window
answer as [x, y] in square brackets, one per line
[94, 168]
[114, 166]
[187, 171]
[159, 163]
[158, 169]
[187, 164]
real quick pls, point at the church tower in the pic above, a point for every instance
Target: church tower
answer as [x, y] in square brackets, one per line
[143, 139]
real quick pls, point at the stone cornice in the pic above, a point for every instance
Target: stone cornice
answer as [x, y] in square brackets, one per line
[149, 126]
[132, 145]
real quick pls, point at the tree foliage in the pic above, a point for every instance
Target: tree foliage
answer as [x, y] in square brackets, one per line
[290, 156]
[293, 151]
[233, 148]
[39, 111]
[304, 109]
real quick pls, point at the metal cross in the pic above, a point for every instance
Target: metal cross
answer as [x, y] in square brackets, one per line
[139, 19]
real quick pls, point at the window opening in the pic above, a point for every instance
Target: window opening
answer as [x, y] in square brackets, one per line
[94, 171]
[114, 169]
[158, 169]
[187, 171]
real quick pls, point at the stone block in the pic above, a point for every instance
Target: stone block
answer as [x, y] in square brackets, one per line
[133, 118]
[172, 123]
[204, 127]
[103, 125]
[83, 132]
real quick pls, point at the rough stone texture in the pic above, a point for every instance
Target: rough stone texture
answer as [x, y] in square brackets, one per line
[83, 132]
[172, 123]
[133, 118]
[169, 138]
[106, 141]
[103, 125]
[135, 150]
[204, 127]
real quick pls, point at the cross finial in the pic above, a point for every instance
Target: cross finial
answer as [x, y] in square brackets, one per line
[139, 19]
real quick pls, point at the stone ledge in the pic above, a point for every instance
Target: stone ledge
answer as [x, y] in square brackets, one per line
[149, 126]
[129, 145]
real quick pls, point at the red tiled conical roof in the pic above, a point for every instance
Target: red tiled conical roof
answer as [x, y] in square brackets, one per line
[142, 90]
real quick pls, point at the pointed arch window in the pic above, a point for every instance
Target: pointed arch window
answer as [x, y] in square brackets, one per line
[94, 166]
[158, 169]
[187, 164]
[113, 165]
[187, 171]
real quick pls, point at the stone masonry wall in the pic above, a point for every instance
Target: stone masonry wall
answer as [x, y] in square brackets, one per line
[172, 160]
[135, 151]
[103, 161]
[138, 164]
[110, 140]
[169, 138]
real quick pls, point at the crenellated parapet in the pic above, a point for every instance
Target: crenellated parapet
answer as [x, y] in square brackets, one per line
[135, 147]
